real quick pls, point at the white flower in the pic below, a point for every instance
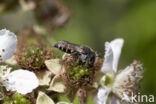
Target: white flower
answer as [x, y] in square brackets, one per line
[22, 81]
[124, 83]
[8, 42]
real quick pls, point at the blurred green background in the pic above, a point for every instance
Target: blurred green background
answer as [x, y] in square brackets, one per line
[95, 21]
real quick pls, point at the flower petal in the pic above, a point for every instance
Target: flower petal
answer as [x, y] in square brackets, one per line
[114, 100]
[112, 55]
[102, 95]
[22, 81]
[8, 42]
[126, 82]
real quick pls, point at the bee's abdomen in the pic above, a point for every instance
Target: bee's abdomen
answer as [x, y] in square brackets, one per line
[66, 46]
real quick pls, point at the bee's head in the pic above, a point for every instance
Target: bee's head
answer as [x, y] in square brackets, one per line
[60, 44]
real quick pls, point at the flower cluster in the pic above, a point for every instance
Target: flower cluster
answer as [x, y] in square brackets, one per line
[120, 85]
[18, 80]
[69, 75]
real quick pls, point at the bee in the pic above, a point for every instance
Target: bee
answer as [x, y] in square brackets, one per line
[85, 55]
